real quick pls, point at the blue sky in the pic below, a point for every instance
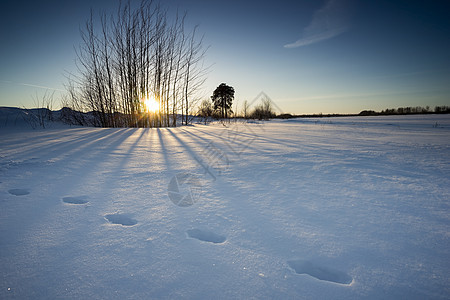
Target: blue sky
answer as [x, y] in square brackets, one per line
[309, 56]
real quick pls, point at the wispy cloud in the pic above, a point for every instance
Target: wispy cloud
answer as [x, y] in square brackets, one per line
[329, 21]
[31, 85]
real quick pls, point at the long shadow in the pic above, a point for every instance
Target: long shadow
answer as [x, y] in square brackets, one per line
[59, 144]
[252, 135]
[131, 149]
[181, 143]
[195, 156]
[103, 161]
[211, 159]
[240, 132]
[163, 149]
[196, 136]
[236, 141]
[105, 165]
[72, 149]
[91, 155]
[36, 140]
[67, 179]
[248, 203]
[46, 135]
[214, 155]
[235, 146]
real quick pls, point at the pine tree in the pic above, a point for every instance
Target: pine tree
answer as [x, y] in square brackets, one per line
[222, 98]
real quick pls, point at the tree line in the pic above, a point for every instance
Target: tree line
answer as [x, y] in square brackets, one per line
[408, 111]
[134, 57]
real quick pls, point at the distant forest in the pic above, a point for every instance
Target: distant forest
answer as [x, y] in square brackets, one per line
[389, 111]
[408, 111]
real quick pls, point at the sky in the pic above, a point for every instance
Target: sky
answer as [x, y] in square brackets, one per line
[308, 56]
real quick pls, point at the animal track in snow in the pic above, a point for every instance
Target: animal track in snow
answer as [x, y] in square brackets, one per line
[206, 236]
[19, 192]
[319, 272]
[121, 219]
[75, 200]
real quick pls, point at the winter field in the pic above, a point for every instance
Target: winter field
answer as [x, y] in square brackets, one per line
[332, 208]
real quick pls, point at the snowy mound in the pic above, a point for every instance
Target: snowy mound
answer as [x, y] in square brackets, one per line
[19, 119]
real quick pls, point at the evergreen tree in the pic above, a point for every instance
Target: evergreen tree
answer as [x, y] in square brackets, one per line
[222, 98]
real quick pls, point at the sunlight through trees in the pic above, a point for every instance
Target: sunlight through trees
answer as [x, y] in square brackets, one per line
[139, 69]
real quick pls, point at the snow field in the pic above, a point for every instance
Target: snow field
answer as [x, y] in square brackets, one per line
[343, 208]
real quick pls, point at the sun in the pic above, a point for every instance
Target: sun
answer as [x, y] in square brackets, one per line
[150, 104]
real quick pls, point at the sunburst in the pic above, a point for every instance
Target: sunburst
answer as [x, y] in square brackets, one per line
[150, 104]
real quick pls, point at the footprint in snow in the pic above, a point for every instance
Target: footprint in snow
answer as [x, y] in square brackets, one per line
[319, 272]
[120, 219]
[206, 236]
[75, 200]
[19, 192]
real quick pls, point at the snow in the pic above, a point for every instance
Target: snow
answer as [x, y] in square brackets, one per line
[342, 208]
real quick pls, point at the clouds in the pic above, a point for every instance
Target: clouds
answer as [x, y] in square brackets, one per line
[32, 85]
[329, 21]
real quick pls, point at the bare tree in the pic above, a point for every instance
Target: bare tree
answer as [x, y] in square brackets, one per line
[205, 111]
[264, 110]
[42, 113]
[245, 109]
[137, 55]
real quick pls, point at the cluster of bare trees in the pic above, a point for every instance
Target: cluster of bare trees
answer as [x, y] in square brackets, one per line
[42, 114]
[263, 111]
[137, 55]
[222, 99]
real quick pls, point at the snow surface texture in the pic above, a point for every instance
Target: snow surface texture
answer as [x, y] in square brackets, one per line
[339, 208]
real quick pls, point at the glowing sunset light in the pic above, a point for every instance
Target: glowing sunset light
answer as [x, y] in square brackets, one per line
[150, 104]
